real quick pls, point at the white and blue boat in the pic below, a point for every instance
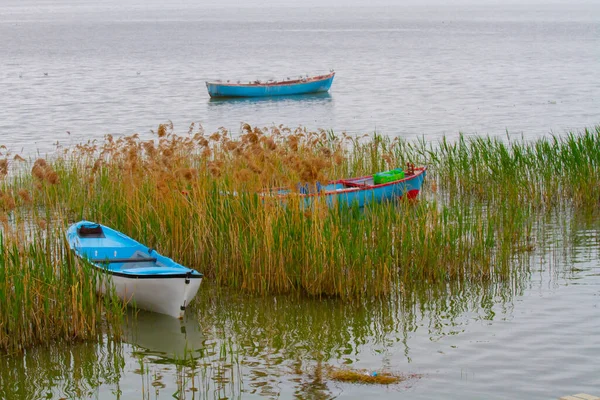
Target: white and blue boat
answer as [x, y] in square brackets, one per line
[139, 275]
[315, 84]
[361, 191]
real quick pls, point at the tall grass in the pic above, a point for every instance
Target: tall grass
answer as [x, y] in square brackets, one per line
[194, 197]
[45, 293]
[544, 173]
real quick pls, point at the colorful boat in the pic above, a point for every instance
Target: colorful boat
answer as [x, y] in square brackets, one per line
[314, 84]
[140, 276]
[362, 191]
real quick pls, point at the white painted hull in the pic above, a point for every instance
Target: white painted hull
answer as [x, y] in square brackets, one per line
[164, 295]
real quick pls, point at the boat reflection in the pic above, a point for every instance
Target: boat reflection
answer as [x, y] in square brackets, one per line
[162, 336]
[323, 97]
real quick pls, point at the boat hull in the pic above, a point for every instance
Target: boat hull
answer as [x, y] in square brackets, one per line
[216, 89]
[136, 274]
[409, 188]
[164, 295]
[350, 192]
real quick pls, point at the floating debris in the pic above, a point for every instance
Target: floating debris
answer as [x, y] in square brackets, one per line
[363, 376]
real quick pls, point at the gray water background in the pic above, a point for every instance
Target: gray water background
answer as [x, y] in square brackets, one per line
[74, 71]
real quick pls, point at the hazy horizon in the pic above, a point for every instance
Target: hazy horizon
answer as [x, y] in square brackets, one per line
[296, 4]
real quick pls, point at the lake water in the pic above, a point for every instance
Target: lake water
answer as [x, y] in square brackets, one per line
[91, 68]
[531, 337]
[74, 71]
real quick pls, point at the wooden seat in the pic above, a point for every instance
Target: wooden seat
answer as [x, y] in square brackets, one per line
[358, 183]
[122, 260]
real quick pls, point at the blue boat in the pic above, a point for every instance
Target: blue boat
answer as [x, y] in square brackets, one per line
[314, 84]
[359, 192]
[138, 274]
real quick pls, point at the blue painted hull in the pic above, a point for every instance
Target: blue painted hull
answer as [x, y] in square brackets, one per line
[359, 191]
[311, 85]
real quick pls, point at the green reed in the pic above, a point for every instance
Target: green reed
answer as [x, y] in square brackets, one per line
[543, 173]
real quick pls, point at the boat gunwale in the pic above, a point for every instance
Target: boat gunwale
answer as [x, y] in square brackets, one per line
[187, 275]
[312, 79]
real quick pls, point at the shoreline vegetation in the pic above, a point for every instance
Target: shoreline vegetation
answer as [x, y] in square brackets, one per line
[194, 197]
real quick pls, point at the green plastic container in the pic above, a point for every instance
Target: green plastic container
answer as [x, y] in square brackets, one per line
[388, 176]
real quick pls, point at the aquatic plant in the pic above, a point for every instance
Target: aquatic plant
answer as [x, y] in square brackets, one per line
[45, 293]
[545, 173]
[363, 376]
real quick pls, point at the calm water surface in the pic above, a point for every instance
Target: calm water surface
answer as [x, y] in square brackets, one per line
[412, 71]
[534, 336]
[92, 68]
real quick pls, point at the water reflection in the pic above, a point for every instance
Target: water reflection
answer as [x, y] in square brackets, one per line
[308, 98]
[231, 345]
[163, 337]
[63, 371]
[283, 341]
[263, 111]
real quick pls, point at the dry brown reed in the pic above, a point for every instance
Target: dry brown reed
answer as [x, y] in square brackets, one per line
[196, 198]
[44, 172]
[7, 201]
[3, 167]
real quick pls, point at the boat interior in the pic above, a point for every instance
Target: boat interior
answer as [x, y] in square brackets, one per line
[288, 81]
[112, 252]
[361, 182]
[138, 259]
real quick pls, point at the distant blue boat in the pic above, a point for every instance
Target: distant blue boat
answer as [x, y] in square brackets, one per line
[314, 84]
[360, 191]
[137, 274]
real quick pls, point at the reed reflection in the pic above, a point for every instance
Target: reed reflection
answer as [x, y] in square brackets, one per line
[283, 343]
[63, 371]
[232, 344]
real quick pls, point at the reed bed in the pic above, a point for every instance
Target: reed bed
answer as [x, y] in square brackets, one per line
[45, 293]
[195, 197]
[545, 173]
